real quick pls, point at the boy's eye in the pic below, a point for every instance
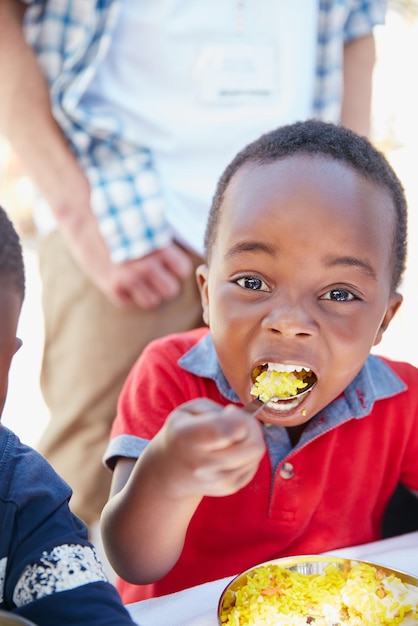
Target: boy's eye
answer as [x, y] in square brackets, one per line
[253, 283]
[339, 295]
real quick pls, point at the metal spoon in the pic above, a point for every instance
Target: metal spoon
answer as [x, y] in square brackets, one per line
[255, 405]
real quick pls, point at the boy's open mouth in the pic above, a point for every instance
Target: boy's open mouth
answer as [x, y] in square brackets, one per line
[285, 383]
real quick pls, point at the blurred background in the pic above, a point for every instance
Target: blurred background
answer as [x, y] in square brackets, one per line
[395, 132]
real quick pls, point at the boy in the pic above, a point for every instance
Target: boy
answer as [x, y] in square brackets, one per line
[49, 572]
[306, 245]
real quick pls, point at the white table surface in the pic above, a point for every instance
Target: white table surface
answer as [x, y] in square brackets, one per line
[197, 606]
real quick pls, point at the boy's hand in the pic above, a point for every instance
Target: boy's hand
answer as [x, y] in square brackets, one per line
[208, 450]
[203, 449]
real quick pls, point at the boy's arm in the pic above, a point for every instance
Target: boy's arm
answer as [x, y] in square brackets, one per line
[359, 61]
[144, 526]
[202, 450]
[27, 122]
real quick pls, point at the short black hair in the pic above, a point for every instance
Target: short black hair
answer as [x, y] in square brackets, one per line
[323, 139]
[12, 268]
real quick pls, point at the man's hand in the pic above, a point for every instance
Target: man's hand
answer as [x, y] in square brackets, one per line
[149, 281]
[146, 282]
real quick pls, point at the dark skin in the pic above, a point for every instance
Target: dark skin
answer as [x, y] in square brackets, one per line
[299, 274]
[311, 288]
[11, 303]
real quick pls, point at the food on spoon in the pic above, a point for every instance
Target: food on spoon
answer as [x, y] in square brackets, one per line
[358, 595]
[280, 381]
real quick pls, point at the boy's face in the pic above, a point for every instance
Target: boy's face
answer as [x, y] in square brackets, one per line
[11, 302]
[299, 275]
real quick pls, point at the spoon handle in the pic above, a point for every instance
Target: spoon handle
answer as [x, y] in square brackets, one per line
[254, 406]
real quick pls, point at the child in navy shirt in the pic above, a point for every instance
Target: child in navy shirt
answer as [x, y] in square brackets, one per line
[49, 572]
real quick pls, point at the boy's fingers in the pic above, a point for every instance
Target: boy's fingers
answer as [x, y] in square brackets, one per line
[220, 430]
[200, 406]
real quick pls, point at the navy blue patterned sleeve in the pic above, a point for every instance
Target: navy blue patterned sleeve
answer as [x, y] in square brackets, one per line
[49, 571]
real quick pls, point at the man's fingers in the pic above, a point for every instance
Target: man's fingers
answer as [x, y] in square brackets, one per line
[149, 281]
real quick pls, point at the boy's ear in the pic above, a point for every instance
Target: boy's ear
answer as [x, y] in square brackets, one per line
[395, 302]
[202, 280]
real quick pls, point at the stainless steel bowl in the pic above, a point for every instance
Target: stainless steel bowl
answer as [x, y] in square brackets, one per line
[311, 564]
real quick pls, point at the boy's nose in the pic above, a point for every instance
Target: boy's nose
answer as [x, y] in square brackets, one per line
[289, 319]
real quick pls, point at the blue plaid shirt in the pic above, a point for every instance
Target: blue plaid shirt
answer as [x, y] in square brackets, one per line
[72, 38]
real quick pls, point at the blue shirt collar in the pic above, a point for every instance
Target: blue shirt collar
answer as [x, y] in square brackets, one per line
[375, 381]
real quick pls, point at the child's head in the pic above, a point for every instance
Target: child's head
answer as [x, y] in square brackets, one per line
[12, 289]
[306, 246]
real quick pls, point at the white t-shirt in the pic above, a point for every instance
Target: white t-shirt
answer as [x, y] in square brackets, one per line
[196, 81]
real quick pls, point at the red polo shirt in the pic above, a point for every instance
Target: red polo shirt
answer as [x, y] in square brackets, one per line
[327, 494]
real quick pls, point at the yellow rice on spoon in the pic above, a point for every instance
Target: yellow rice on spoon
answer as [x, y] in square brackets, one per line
[270, 381]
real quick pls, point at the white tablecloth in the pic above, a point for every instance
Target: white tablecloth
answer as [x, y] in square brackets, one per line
[198, 606]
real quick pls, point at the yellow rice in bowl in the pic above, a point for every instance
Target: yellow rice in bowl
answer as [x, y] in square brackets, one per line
[320, 591]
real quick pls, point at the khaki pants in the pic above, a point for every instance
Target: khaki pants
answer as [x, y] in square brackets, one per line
[90, 346]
